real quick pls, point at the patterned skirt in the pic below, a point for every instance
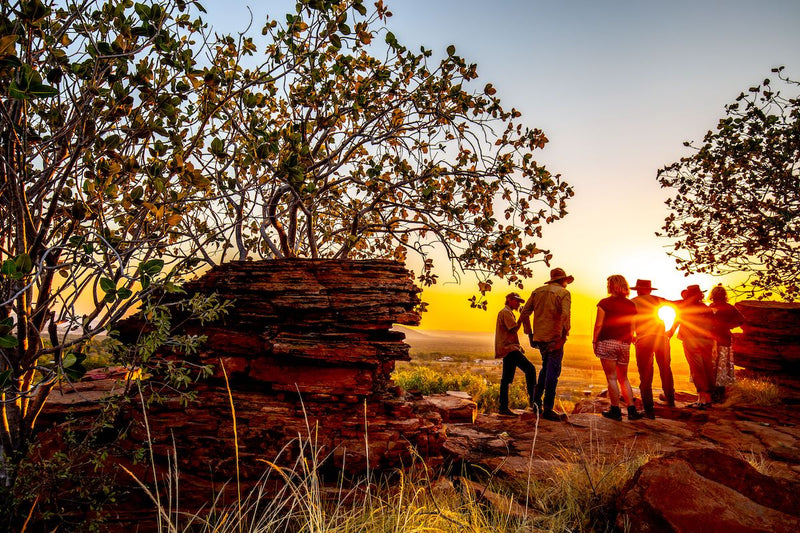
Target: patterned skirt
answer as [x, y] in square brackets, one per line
[723, 355]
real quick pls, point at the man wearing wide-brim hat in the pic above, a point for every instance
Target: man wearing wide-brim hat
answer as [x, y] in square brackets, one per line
[695, 330]
[550, 306]
[651, 343]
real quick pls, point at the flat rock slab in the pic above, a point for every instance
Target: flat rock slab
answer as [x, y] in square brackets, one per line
[518, 445]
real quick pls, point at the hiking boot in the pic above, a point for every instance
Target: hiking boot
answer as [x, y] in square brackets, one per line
[553, 416]
[613, 413]
[649, 414]
[505, 411]
[633, 414]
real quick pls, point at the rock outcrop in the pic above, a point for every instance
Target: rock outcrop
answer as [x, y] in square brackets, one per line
[770, 343]
[705, 490]
[308, 350]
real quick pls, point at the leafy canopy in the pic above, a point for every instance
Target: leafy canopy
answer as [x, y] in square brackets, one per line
[736, 203]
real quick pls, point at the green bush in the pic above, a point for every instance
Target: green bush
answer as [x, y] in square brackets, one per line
[485, 393]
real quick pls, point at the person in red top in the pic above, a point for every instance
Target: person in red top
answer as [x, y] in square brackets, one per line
[613, 334]
[694, 324]
[726, 317]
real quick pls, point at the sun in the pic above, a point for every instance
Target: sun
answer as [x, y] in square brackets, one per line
[667, 314]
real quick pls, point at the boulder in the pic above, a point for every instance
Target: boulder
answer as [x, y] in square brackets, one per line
[704, 490]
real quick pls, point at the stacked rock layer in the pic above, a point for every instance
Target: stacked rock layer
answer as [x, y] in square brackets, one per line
[308, 351]
[770, 343]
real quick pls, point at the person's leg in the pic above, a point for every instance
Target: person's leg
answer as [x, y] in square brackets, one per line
[645, 348]
[662, 353]
[554, 358]
[509, 369]
[540, 383]
[694, 356]
[610, 370]
[625, 389]
[709, 368]
[530, 378]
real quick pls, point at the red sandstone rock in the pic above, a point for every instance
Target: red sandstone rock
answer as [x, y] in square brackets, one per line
[705, 490]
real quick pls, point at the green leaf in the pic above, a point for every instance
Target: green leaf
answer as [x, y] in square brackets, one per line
[124, 293]
[8, 341]
[69, 360]
[451, 50]
[8, 45]
[152, 267]
[336, 42]
[107, 285]
[24, 263]
[5, 379]
[9, 268]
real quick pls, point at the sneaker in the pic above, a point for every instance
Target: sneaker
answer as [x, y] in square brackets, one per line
[613, 413]
[553, 416]
[507, 412]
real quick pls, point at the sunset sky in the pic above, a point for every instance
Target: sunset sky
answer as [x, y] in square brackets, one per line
[617, 87]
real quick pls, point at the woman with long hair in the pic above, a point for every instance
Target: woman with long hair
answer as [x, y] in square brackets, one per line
[613, 334]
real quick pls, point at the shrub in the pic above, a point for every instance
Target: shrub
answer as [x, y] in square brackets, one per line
[485, 392]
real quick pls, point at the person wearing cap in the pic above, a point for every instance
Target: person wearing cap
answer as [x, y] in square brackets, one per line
[508, 348]
[550, 306]
[613, 334]
[651, 342]
[694, 324]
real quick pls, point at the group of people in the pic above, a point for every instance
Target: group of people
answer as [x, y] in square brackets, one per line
[704, 330]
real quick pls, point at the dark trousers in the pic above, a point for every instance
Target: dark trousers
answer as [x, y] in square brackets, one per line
[552, 355]
[647, 348]
[511, 362]
[698, 352]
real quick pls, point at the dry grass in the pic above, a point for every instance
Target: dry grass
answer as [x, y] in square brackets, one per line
[753, 391]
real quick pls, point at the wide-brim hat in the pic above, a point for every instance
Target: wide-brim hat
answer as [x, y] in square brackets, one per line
[515, 296]
[558, 274]
[692, 290]
[643, 285]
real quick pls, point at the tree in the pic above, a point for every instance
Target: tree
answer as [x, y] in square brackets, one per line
[367, 149]
[102, 108]
[136, 149]
[736, 206]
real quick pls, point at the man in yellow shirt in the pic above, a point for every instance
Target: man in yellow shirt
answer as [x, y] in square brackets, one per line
[508, 348]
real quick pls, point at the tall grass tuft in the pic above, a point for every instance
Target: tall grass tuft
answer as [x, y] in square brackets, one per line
[753, 391]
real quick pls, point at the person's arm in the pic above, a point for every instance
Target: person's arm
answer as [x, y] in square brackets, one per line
[566, 305]
[525, 316]
[598, 324]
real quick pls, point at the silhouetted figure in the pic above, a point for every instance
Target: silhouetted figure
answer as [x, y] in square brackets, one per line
[550, 306]
[613, 334]
[508, 348]
[726, 317]
[651, 342]
[694, 323]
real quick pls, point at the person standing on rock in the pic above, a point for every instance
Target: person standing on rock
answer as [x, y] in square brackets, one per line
[508, 348]
[694, 324]
[613, 334]
[726, 317]
[650, 343]
[550, 306]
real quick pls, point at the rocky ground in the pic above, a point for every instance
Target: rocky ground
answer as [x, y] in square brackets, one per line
[700, 476]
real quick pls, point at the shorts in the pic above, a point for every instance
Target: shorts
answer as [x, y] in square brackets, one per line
[614, 350]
